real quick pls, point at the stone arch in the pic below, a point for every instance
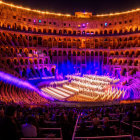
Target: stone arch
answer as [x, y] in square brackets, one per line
[87, 53]
[74, 53]
[9, 26]
[26, 61]
[105, 32]
[54, 31]
[39, 31]
[110, 31]
[59, 53]
[19, 27]
[21, 61]
[44, 31]
[55, 53]
[40, 61]
[29, 29]
[24, 28]
[64, 53]
[92, 53]
[46, 61]
[78, 53]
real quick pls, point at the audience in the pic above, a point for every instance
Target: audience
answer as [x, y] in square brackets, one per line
[9, 127]
[25, 121]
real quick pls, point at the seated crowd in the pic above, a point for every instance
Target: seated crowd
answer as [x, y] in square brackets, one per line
[27, 121]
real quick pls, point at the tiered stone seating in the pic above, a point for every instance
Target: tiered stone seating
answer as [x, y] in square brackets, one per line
[13, 94]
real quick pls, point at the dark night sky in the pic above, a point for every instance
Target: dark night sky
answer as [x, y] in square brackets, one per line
[71, 6]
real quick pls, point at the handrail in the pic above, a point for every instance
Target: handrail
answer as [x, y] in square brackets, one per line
[41, 139]
[105, 137]
[136, 121]
[134, 126]
[52, 122]
[125, 123]
[138, 128]
[53, 129]
[50, 129]
[102, 120]
[99, 121]
[75, 127]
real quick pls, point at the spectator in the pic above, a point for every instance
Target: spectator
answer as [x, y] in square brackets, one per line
[107, 131]
[8, 127]
[82, 130]
[96, 130]
[28, 129]
[1, 113]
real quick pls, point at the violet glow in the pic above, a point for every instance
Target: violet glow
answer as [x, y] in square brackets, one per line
[133, 90]
[20, 83]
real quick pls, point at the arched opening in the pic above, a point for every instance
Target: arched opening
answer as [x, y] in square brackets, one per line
[24, 28]
[69, 32]
[110, 31]
[39, 30]
[40, 41]
[105, 32]
[19, 27]
[59, 53]
[54, 32]
[100, 54]
[45, 52]
[83, 53]
[60, 32]
[21, 62]
[64, 32]
[46, 61]
[34, 30]
[69, 53]
[78, 53]
[96, 33]
[44, 31]
[120, 32]
[64, 53]
[55, 53]
[49, 31]
[74, 53]
[26, 61]
[29, 29]
[96, 53]
[53, 71]
[35, 61]
[115, 32]
[101, 32]
[87, 54]
[74, 32]
[92, 53]
[40, 61]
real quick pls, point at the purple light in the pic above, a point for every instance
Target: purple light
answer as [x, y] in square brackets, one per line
[34, 20]
[20, 83]
[84, 25]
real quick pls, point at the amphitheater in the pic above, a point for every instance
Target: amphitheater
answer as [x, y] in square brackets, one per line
[44, 46]
[77, 75]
